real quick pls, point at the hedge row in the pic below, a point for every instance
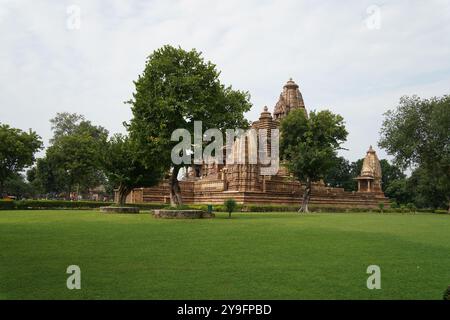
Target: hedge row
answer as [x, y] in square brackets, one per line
[58, 204]
[377, 210]
[49, 204]
[312, 208]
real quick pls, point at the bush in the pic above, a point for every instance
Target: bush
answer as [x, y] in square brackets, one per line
[60, 204]
[381, 206]
[230, 206]
[411, 207]
[50, 204]
[281, 208]
[7, 205]
[268, 208]
[394, 205]
[447, 294]
[425, 210]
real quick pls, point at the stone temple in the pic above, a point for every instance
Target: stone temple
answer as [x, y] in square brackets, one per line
[213, 183]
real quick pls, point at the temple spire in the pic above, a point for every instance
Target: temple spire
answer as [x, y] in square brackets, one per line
[290, 99]
[369, 179]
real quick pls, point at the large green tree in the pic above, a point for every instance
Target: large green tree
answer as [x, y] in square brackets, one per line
[398, 190]
[309, 145]
[18, 187]
[17, 151]
[78, 156]
[48, 177]
[390, 172]
[66, 124]
[125, 169]
[426, 190]
[417, 134]
[73, 160]
[176, 88]
[340, 175]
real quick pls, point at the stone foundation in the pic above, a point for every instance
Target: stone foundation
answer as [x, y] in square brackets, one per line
[275, 193]
[119, 209]
[182, 214]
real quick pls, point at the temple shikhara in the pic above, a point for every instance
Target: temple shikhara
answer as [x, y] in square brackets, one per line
[213, 183]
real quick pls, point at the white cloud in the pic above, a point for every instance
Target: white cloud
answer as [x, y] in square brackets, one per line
[326, 47]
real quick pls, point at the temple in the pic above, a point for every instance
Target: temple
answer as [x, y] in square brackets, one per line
[246, 183]
[370, 178]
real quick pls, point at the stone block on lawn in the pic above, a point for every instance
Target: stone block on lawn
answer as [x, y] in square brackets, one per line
[119, 209]
[182, 214]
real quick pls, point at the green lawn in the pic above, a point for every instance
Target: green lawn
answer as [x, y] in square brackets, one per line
[252, 256]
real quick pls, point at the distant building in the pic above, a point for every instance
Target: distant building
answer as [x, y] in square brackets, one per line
[370, 178]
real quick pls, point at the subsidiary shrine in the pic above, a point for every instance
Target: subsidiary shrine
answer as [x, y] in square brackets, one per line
[213, 183]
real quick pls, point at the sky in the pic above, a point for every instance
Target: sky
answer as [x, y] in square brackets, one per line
[356, 59]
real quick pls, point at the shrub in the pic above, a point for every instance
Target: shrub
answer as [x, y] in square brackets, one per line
[7, 205]
[447, 294]
[441, 211]
[381, 206]
[268, 208]
[50, 204]
[426, 210]
[230, 205]
[394, 205]
[411, 207]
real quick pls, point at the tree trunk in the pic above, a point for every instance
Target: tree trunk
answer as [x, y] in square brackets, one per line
[306, 196]
[2, 187]
[122, 197]
[175, 191]
[69, 191]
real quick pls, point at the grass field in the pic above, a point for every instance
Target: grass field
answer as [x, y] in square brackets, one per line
[252, 256]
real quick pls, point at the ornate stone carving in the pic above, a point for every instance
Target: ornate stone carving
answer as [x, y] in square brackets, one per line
[291, 98]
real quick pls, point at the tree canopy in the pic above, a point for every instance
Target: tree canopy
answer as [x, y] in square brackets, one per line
[17, 151]
[176, 88]
[78, 156]
[309, 145]
[417, 134]
[73, 160]
[124, 168]
[69, 124]
[341, 174]
[47, 177]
